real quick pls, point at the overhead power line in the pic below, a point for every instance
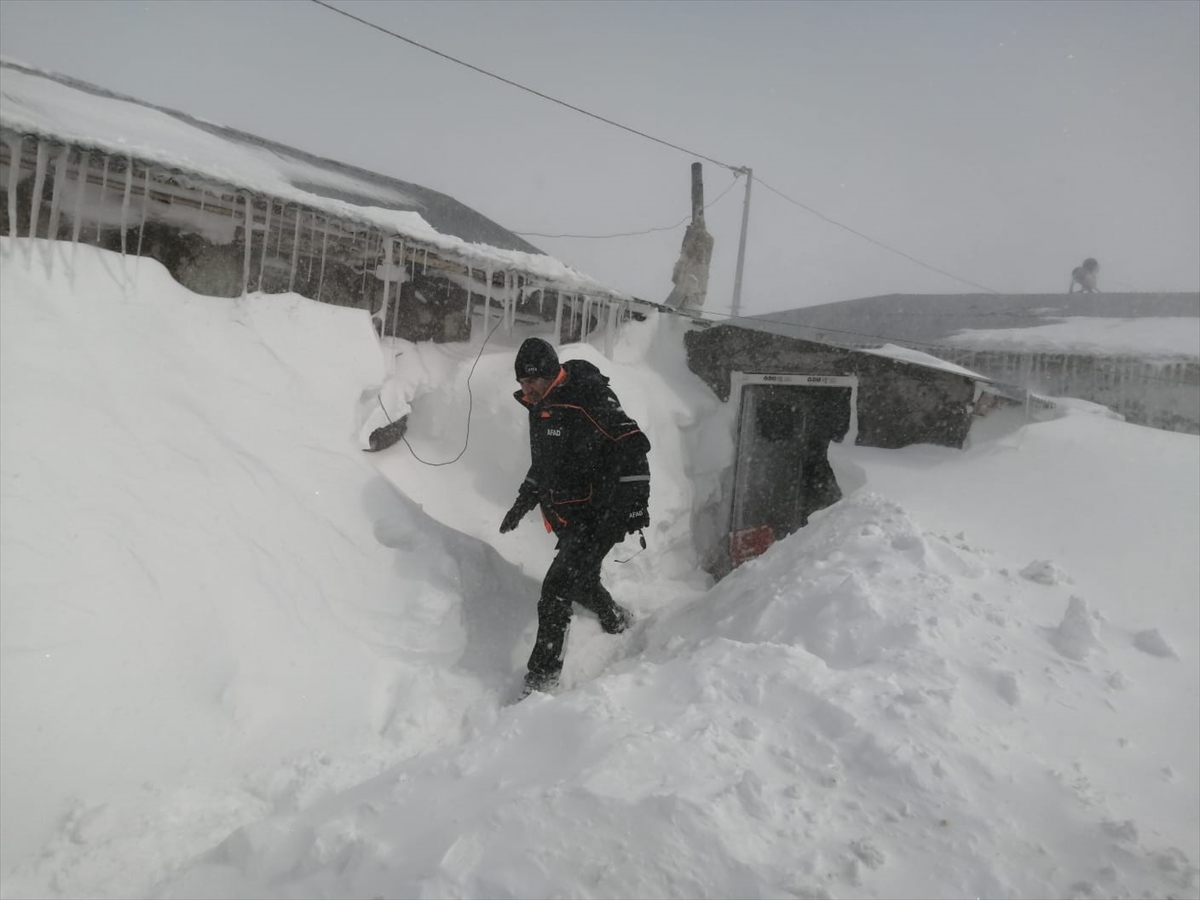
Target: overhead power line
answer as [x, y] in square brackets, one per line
[820, 215]
[649, 137]
[736, 175]
[536, 93]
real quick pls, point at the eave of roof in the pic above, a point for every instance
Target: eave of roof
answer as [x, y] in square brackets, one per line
[59, 108]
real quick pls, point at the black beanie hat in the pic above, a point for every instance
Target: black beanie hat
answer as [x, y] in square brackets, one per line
[536, 359]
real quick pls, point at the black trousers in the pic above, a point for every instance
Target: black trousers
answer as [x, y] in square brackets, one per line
[573, 577]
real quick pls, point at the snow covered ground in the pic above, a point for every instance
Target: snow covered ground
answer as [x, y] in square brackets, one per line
[241, 658]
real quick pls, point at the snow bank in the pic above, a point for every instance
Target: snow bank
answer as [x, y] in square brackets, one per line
[194, 597]
[848, 715]
[241, 658]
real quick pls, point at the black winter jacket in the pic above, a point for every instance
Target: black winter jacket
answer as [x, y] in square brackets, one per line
[582, 444]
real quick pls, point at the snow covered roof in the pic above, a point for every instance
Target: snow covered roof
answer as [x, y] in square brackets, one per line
[54, 106]
[768, 325]
[1147, 324]
[916, 357]
[1165, 337]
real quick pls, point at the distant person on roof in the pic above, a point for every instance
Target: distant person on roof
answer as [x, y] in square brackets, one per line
[590, 476]
[1084, 277]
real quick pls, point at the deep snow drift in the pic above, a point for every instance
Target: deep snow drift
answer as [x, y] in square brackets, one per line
[240, 657]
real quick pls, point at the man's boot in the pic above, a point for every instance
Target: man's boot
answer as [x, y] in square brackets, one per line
[538, 681]
[616, 619]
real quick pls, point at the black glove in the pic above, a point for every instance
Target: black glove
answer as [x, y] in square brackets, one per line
[526, 500]
[632, 505]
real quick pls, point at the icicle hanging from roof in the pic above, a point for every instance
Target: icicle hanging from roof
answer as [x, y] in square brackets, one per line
[248, 229]
[295, 252]
[145, 204]
[399, 295]
[487, 292]
[125, 201]
[81, 184]
[610, 328]
[467, 311]
[16, 155]
[100, 198]
[510, 300]
[279, 232]
[262, 258]
[380, 316]
[366, 257]
[39, 182]
[324, 249]
[486, 306]
[142, 224]
[312, 242]
[60, 176]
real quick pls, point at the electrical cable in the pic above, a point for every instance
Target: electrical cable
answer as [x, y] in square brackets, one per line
[342, 12]
[865, 237]
[470, 407]
[735, 169]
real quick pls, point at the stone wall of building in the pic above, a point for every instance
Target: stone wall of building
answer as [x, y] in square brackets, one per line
[898, 403]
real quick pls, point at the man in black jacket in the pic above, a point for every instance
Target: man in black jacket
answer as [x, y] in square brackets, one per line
[590, 476]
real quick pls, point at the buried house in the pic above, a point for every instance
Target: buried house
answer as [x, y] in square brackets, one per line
[1137, 353]
[792, 398]
[229, 213]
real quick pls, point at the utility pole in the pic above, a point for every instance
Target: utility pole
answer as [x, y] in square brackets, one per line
[697, 193]
[691, 270]
[741, 260]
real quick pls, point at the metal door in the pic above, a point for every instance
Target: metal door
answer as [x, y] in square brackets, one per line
[785, 423]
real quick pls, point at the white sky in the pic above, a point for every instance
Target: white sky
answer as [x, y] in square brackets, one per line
[1003, 142]
[241, 658]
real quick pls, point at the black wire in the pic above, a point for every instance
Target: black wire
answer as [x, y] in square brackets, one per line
[642, 541]
[825, 218]
[530, 90]
[470, 407]
[736, 175]
[736, 169]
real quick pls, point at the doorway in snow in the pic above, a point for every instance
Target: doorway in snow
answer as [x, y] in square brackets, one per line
[781, 465]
